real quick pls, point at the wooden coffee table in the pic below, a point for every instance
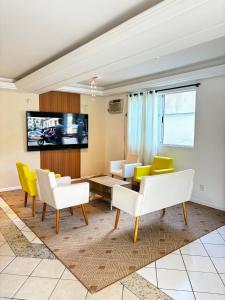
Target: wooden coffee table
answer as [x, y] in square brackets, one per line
[102, 186]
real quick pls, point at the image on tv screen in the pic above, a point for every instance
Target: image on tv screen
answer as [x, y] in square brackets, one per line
[46, 131]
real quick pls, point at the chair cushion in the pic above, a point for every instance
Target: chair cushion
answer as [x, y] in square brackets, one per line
[63, 180]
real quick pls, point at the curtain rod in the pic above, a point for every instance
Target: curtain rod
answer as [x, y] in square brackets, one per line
[179, 87]
[141, 93]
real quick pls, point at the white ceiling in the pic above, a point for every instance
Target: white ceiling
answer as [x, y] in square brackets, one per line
[206, 52]
[36, 32]
[166, 38]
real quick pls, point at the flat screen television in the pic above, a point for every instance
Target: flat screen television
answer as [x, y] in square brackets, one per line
[51, 131]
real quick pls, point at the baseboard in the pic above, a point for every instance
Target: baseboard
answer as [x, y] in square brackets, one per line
[208, 204]
[11, 188]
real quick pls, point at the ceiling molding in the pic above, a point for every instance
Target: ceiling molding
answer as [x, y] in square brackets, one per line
[81, 89]
[161, 82]
[135, 41]
[7, 83]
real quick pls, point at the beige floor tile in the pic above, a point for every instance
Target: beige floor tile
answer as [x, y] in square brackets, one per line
[37, 241]
[19, 224]
[113, 292]
[221, 230]
[9, 284]
[219, 263]
[26, 228]
[170, 261]
[213, 238]
[194, 249]
[127, 295]
[4, 261]
[2, 239]
[69, 290]
[6, 250]
[205, 296]
[11, 215]
[199, 263]
[223, 277]
[68, 275]
[51, 268]
[29, 235]
[148, 274]
[206, 283]
[179, 295]
[36, 288]
[22, 266]
[173, 280]
[215, 250]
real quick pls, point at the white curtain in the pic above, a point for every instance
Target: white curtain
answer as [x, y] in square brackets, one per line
[143, 125]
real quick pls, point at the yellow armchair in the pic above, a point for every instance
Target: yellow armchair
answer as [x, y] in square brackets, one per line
[28, 181]
[160, 165]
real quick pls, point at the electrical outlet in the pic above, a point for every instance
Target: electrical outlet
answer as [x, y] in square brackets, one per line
[202, 187]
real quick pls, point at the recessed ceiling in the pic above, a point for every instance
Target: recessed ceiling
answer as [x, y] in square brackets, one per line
[205, 52]
[36, 32]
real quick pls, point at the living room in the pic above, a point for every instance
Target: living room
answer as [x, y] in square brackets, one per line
[146, 119]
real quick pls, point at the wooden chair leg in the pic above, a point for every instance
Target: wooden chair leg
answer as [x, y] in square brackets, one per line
[43, 212]
[84, 214]
[25, 199]
[71, 211]
[185, 213]
[163, 211]
[136, 229]
[57, 220]
[33, 205]
[117, 218]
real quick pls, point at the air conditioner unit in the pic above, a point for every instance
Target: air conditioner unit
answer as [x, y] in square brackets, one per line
[115, 106]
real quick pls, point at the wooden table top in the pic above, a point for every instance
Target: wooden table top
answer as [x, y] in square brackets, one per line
[108, 181]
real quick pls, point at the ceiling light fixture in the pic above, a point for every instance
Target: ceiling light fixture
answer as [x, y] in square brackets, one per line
[93, 86]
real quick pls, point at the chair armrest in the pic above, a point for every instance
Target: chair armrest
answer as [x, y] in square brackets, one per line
[70, 195]
[57, 175]
[128, 169]
[163, 171]
[115, 165]
[142, 171]
[63, 180]
[126, 200]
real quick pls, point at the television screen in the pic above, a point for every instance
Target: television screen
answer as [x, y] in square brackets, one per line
[50, 130]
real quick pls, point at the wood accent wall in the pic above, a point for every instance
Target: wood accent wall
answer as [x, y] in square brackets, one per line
[66, 161]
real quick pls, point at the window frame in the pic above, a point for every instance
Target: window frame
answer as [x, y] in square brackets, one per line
[162, 117]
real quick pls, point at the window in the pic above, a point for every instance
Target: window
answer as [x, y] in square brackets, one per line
[178, 118]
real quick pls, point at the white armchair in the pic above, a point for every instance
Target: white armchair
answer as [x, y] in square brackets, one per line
[60, 193]
[124, 168]
[156, 193]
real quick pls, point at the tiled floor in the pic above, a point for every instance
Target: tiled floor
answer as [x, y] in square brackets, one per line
[194, 272]
[19, 223]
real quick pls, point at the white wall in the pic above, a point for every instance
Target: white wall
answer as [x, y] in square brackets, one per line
[107, 133]
[13, 135]
[115, 134]
[208, 155]
[93, 158]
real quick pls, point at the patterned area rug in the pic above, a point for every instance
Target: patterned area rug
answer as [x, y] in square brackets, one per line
[98, 255]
